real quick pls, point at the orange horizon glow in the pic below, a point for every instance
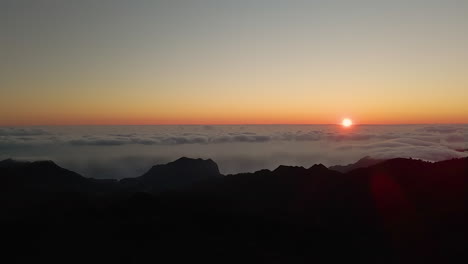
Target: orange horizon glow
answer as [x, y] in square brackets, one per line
[215, 121]
[123, 117]
[144, 105]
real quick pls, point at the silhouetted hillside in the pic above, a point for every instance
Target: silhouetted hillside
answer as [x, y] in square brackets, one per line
[44, 176]
[396, 211]
[174, 175]
[362, 163]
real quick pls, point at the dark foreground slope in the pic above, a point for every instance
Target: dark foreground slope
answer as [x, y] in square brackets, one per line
[397, 211]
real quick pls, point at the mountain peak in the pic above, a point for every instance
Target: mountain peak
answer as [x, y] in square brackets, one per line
[319, 166]
[288, 169]
[364, 162]
[11, 163]
[8, 163]
[184, 160]
[47, 163]
[43, 176]
[179, 173]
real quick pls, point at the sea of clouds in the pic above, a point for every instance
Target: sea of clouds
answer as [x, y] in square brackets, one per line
[128, 151]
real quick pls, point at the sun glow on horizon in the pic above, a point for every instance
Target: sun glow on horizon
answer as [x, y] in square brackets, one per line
[347, 122]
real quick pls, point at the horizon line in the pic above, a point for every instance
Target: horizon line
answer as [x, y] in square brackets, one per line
[233, 124]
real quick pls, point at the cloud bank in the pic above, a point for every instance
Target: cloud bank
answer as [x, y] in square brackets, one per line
[126, 151]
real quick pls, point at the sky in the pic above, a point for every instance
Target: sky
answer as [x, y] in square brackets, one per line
[105, 62]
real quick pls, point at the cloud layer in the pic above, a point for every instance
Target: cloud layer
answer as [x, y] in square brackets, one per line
[106, 151]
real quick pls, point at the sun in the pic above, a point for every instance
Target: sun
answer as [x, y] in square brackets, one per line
[347, 122]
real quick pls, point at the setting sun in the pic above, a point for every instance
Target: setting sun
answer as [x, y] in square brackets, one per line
[347, 122]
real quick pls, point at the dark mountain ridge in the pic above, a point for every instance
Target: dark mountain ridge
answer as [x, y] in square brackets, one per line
[174, 175]
[362, 163]
[42, 176]
[186, 173]
[396, 211]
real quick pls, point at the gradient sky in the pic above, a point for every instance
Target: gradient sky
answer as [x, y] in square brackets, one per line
[228, 62]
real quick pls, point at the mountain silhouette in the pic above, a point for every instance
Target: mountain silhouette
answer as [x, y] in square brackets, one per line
[39, 176]
[45, 176]
[174, 175]
[362, 163]
[395, 211]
